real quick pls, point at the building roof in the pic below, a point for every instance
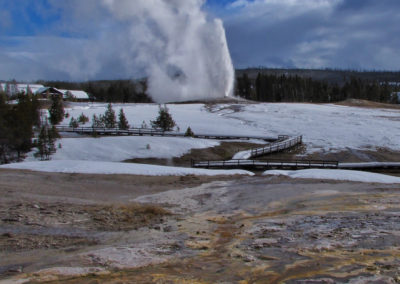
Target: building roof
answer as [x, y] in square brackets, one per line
[77, 94]
[45, 89]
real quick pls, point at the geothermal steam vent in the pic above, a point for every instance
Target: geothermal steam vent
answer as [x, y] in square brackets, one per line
[184, 52]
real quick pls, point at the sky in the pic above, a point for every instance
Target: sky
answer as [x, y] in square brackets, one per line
[80, 40]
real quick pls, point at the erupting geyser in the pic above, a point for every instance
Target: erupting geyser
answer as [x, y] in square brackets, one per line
[184, 53]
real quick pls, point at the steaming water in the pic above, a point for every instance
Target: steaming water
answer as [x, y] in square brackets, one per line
[183, 52]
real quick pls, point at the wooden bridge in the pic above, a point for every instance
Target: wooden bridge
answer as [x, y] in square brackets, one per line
[370, 166]
[156, 132]
[266, 164]
[283, 143]
[271, 164]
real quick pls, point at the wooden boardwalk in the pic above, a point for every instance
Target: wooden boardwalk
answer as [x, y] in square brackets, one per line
[155, 132]
[266, 164]
[294, 165]
[370, 166]
[283, 143]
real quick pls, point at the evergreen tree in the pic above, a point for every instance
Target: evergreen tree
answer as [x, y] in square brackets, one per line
[122, 121]
[56, 110]
[16, 127]
[41, 144]
[21, 121]
[110, 120]
[73, 123]
[97, 122]
[46, 142]
[164, 120]
[53, 135]
[83, 119]
[189, 132]
[4, 130]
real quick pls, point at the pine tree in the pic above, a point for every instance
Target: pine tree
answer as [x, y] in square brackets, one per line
[41, 144]
[122, 121]
[73, 123]
[110, 120]
[46, 142]
[164, 120]
[189, 132]
[56, 110]
[97, 122]
[83, 118]
[21, 121]
[16, 127]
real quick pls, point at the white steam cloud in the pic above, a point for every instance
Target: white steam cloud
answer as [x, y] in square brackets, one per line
[184, 53]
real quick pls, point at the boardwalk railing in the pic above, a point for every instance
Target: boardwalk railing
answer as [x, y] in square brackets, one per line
[114, 131]
[154, 132]
[277, 146]
[266, 164]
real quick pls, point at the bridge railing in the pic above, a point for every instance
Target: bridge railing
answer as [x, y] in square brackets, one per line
[139, 131]
[265, 163]
[277, 146]
[154, 132]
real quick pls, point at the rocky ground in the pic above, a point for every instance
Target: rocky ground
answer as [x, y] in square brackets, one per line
[124, 229]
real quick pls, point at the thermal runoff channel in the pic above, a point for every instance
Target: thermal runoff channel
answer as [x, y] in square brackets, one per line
[184, 51]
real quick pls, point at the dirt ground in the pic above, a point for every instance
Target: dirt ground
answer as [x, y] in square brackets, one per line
[224, 151]
[134, 229]
[367, 104]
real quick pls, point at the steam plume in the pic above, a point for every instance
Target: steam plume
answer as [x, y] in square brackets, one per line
[184, 53]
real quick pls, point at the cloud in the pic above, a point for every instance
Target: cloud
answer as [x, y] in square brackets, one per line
[315, 33]
[77, 40]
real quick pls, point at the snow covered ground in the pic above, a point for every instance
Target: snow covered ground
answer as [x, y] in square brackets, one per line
[327, 128]
[96, 167]
[117, 149]
[324, 127]
[344, 175]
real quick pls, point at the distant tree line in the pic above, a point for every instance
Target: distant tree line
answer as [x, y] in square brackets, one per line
[331, 76]
[282, 88]
[124, 91]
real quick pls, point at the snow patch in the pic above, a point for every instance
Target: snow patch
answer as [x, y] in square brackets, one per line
[344, 175]
[117, 149]
[92, 167]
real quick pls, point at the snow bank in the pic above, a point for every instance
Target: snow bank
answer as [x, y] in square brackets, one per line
[344, 175]
[91, 167]
[117, 149]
